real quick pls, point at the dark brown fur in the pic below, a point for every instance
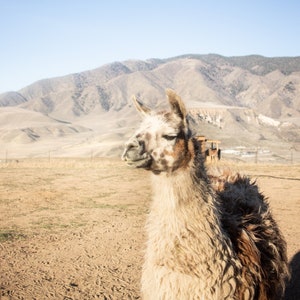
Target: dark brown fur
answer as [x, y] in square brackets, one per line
[255, 236]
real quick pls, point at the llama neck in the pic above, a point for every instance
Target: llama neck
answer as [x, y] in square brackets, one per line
[183, 195]
[184, 216]
[184, 203]
[185, 186]
[184, 232]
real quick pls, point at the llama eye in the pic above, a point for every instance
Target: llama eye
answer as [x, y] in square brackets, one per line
[169, 137]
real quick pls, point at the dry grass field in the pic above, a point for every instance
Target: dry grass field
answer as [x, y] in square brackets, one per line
[74, 228]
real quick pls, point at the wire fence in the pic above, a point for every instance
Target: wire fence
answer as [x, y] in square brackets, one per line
[241, 154]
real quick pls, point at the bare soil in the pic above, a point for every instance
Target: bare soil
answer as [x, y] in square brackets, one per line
[74, 228]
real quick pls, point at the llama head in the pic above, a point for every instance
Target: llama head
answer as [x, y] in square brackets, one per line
[161, 143]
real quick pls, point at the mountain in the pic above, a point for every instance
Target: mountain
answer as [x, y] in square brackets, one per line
[246, 102]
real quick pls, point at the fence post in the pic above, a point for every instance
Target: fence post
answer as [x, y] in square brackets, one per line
[256, 155]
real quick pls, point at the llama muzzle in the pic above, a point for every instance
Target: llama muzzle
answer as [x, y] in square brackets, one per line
[134, 154]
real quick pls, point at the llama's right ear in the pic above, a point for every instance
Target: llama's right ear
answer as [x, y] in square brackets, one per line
[176, 103]
[143, 109]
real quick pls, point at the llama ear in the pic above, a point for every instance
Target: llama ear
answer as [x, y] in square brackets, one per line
[176, 103]
[143, 109]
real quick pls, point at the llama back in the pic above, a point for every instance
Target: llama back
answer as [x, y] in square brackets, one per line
[255, 236]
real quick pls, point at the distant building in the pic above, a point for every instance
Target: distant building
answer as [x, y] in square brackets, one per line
[209, 148]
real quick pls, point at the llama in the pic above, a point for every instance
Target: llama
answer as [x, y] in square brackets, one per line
[205, 241]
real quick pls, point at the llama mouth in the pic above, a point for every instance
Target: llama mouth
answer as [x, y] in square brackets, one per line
[134, 159]
[140, 163]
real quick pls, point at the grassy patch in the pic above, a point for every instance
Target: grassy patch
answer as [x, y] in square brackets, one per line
[6, 235]
[106, 194]
[91, 203]
[54, 226]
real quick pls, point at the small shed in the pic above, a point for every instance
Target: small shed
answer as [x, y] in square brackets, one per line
[210, 148]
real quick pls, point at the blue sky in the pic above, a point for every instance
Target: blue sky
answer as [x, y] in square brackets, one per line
[48, 38]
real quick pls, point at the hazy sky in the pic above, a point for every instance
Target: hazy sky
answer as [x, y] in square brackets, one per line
[48, 38]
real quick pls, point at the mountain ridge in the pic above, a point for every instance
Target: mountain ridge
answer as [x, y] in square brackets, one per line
[229, 96]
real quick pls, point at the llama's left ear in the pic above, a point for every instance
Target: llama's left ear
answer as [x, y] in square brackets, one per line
[143, 109]
[176, 103]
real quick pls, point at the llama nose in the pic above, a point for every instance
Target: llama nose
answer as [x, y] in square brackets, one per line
[134, 149]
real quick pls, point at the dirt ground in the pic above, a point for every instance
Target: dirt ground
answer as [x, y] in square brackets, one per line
[74, 228]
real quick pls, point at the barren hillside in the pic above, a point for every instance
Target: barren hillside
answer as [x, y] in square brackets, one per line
[250, 102]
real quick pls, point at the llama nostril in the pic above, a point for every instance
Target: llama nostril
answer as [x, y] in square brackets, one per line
[141, 147]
